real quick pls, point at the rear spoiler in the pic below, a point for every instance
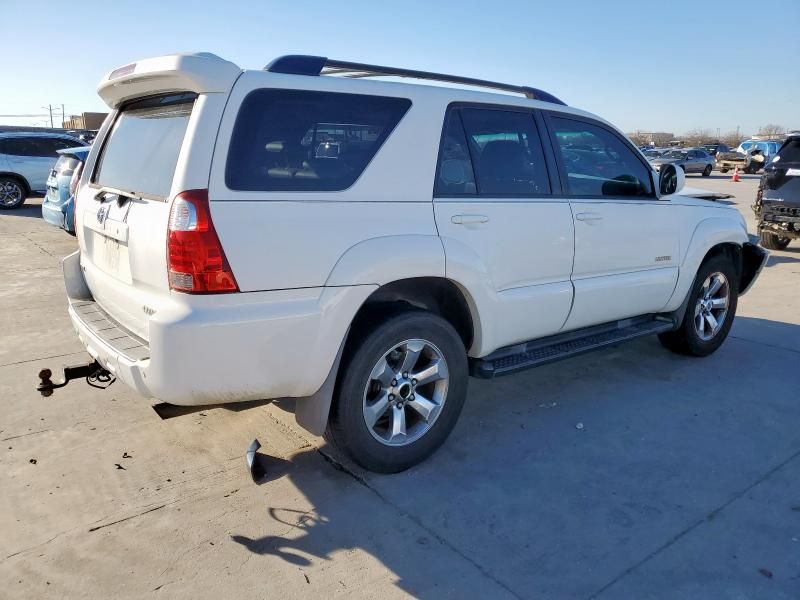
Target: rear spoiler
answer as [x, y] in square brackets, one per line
[200, 73]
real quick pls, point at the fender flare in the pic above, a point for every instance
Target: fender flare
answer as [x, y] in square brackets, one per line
[377, 261]
[708, 233]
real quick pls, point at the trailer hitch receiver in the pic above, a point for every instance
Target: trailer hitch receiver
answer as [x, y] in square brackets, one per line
[94, 373]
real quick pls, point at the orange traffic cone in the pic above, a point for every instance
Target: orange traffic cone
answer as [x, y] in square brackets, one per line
[735, 176]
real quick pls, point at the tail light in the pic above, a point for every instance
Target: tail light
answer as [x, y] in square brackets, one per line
[76, 177]
[73, 191]
[195, 259]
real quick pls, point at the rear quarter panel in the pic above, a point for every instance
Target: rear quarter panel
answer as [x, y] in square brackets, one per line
[279, 240]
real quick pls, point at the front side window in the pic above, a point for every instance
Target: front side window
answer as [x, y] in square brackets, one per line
[294, 140]
[598, 163]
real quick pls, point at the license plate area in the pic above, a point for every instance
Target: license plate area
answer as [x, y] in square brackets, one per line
[107, 239]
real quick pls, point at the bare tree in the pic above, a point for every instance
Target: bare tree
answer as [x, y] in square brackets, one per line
[695, 137]
[732, 138]
[772, 130]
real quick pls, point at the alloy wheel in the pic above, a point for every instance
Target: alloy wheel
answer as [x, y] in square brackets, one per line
[405, 393]
[10, 193]
[711, 308]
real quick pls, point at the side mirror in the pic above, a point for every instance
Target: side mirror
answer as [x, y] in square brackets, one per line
[671, 179]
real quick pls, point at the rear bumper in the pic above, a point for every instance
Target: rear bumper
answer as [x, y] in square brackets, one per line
[53, 214]
[730, 164]
[215, 349]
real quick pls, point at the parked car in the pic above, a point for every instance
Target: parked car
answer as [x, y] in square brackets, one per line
[228, 254]
[691, 160]
[777, 205]
[59, 202]
[26, 160]
[714, 149]
[655, 152]
[750, 156]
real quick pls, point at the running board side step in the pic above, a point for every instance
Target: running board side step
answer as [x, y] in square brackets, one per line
[539, 352]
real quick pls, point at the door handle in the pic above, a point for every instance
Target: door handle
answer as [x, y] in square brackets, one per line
[468, 219]
[589, 216]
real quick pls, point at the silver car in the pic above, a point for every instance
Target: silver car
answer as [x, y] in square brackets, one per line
[26, 160]
[691, 160]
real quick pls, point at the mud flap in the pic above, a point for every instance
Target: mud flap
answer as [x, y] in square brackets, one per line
[754, 257]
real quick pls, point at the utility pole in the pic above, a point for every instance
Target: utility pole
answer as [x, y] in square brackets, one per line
[63, 116]
[50, 108]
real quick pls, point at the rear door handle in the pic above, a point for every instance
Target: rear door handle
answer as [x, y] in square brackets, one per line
[589, 216]
[469, 219]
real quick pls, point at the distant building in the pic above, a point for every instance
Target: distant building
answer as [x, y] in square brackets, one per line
[87, 120]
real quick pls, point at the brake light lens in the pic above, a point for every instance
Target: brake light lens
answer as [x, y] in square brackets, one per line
[73, 191]
[195, 258]
[76, 177]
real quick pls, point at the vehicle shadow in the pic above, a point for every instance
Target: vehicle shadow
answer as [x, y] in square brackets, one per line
[778, 259]
[557, 480]
[31, 209]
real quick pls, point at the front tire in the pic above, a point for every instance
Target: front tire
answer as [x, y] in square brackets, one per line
[12, 193]
[771, 241]
[710, 311]
[400, 391]
[723, 170]
[707, 171]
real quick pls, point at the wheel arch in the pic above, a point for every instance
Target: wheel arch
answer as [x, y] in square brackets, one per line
[715, 235]
[19, 178]
[434, 294]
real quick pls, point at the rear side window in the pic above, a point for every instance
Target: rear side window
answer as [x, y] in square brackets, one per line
[500, 150]
[455, 176]
[598, 163]
[293, 140]
[790, 152]
[65, 165]
[141, 151]
[42, 147]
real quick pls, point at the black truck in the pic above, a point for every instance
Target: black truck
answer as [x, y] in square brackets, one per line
[777, 205]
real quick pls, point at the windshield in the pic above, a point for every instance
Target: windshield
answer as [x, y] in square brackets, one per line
[675, 154]
[141, 151]
[746, 145]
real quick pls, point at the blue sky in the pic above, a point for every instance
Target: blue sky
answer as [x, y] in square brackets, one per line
[663, 66]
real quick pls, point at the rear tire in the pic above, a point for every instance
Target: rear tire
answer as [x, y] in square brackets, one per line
[707, 171]
[696, 335]
[771, 241]
[12, 192]
[376, 384]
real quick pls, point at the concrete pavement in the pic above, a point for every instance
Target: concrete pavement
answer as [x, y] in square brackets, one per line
[684, 481]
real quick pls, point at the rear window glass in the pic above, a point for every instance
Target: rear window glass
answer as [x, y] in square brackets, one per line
[142, 149]
[290, 140]
[790, 151]
[66, 163]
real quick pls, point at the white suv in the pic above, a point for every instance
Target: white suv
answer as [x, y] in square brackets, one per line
[363, 246]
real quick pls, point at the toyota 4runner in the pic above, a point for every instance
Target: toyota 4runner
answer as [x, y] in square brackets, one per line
[363, 246]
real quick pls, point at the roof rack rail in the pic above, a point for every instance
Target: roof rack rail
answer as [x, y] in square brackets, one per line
[301, 64]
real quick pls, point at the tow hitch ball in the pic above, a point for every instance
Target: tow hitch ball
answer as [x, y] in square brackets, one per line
[93, 372]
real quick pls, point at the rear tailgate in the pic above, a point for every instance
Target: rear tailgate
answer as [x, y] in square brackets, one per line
[157, 142]
[125, 209]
